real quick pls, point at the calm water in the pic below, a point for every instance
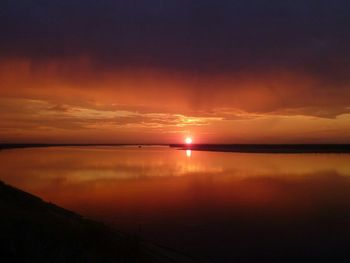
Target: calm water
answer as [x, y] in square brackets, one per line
[217, 206]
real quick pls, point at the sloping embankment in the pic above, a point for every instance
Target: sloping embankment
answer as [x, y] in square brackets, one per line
[32, 230]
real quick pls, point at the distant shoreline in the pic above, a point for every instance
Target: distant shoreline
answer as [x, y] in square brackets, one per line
[4, 146]
[267, 148]
[240, 148]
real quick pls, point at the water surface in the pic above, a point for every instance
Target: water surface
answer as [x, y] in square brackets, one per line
[216, 206]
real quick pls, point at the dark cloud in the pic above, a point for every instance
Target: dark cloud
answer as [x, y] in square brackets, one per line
[196, 36]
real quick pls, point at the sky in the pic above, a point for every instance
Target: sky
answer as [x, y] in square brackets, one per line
[156, 71]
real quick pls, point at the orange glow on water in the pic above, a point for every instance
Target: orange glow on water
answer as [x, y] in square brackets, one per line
[96, 181]
[162, 189]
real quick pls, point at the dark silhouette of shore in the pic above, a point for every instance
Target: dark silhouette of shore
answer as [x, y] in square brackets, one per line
[32, 230]
[4, 146]
[243, 148]
[268, 148]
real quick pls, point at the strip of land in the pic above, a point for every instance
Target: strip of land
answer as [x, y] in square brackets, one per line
[4, 146]
[267, 148]
[243, 148]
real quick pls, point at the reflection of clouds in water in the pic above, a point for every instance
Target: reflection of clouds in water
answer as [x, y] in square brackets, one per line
[32, 167]
[147, 174]
[222, 195]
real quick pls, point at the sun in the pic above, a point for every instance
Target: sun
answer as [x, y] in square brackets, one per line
[188, 140]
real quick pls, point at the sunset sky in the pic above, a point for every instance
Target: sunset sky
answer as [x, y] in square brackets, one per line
[156, 71]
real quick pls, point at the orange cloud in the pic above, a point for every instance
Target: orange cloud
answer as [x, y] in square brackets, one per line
[69, 100]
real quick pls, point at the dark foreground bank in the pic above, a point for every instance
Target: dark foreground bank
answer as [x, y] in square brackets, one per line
[32, 230]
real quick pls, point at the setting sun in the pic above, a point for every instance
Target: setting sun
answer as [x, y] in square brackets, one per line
[188, 140]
